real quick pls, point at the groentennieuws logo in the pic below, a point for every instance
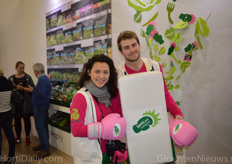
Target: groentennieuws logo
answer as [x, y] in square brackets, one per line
[149, 119]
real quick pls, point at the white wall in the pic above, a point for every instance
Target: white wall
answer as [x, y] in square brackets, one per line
[206, 88]
[23, 33]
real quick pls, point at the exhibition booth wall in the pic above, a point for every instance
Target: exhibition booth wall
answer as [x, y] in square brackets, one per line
[205, 90]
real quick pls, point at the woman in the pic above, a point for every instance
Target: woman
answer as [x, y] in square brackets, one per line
[92, 120]
[6, 116]
[22, 109]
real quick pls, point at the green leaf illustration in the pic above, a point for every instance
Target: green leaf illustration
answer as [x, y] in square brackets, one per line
[197, 36]
[155, 47]
[157, 58]
[169, 77]
[152, 19]
[181, 25]
[202, 27]
[169, 33]
[177, 38]
[172, 70]
[157, 2]
[184, 65]
[176, 86]
[169, 86]
[162, 51]
[142, 33]
[163, 65]
[178, 77]
[174, 57]
[150, 41]
[177, 48]
[138, 16]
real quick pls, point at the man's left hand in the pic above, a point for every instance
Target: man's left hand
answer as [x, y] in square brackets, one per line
[178, 117]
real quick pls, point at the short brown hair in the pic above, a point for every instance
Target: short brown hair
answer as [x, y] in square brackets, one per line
[126, 35]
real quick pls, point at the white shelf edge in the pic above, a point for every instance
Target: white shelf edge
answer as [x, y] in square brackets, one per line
[79, 66]
[60, 108]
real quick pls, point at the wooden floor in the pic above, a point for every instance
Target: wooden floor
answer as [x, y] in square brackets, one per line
[24, 153]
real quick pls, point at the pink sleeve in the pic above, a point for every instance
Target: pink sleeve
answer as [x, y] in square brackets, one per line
[116, 105]
[170, 103]
[77, 114]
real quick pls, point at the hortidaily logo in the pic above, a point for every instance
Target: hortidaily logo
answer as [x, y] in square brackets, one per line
[148, 119]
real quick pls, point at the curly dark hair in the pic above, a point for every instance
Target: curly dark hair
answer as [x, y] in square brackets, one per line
[111, 84]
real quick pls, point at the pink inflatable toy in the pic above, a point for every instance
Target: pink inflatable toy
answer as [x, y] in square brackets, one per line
[182, 132]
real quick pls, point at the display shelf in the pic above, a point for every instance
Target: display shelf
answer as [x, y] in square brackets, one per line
[60, 108]
[73, 23]
[83, 43]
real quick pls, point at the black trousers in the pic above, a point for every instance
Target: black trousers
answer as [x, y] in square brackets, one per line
[6, 125]
[18, 125]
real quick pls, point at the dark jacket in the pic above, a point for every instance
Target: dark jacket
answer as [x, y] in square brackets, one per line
[5, 85]
[27, 104]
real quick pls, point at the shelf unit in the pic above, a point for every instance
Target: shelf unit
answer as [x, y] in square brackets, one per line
[59, 138]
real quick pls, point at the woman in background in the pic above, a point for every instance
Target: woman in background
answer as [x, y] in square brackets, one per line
[22, 109]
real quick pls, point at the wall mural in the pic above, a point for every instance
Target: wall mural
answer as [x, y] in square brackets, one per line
[177, 64]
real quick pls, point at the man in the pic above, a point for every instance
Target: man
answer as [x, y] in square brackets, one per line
[40, 101]
[129, 47]
[6, 117]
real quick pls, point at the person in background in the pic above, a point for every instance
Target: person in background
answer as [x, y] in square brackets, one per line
[91, 110]
[40, 101]
[6, 117]
[129, 47]
[22, 109]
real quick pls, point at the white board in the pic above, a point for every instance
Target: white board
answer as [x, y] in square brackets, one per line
[144, 108]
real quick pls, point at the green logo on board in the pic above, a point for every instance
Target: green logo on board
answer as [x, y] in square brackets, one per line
[148, 119]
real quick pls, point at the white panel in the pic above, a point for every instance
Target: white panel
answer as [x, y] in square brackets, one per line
[141, 94]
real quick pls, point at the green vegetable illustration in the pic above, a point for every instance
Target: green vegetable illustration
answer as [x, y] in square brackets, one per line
[143, 6]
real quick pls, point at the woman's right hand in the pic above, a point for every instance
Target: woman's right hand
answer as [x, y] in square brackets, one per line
[19, 86]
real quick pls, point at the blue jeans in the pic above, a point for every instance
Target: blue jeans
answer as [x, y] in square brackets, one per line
[41, 125]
